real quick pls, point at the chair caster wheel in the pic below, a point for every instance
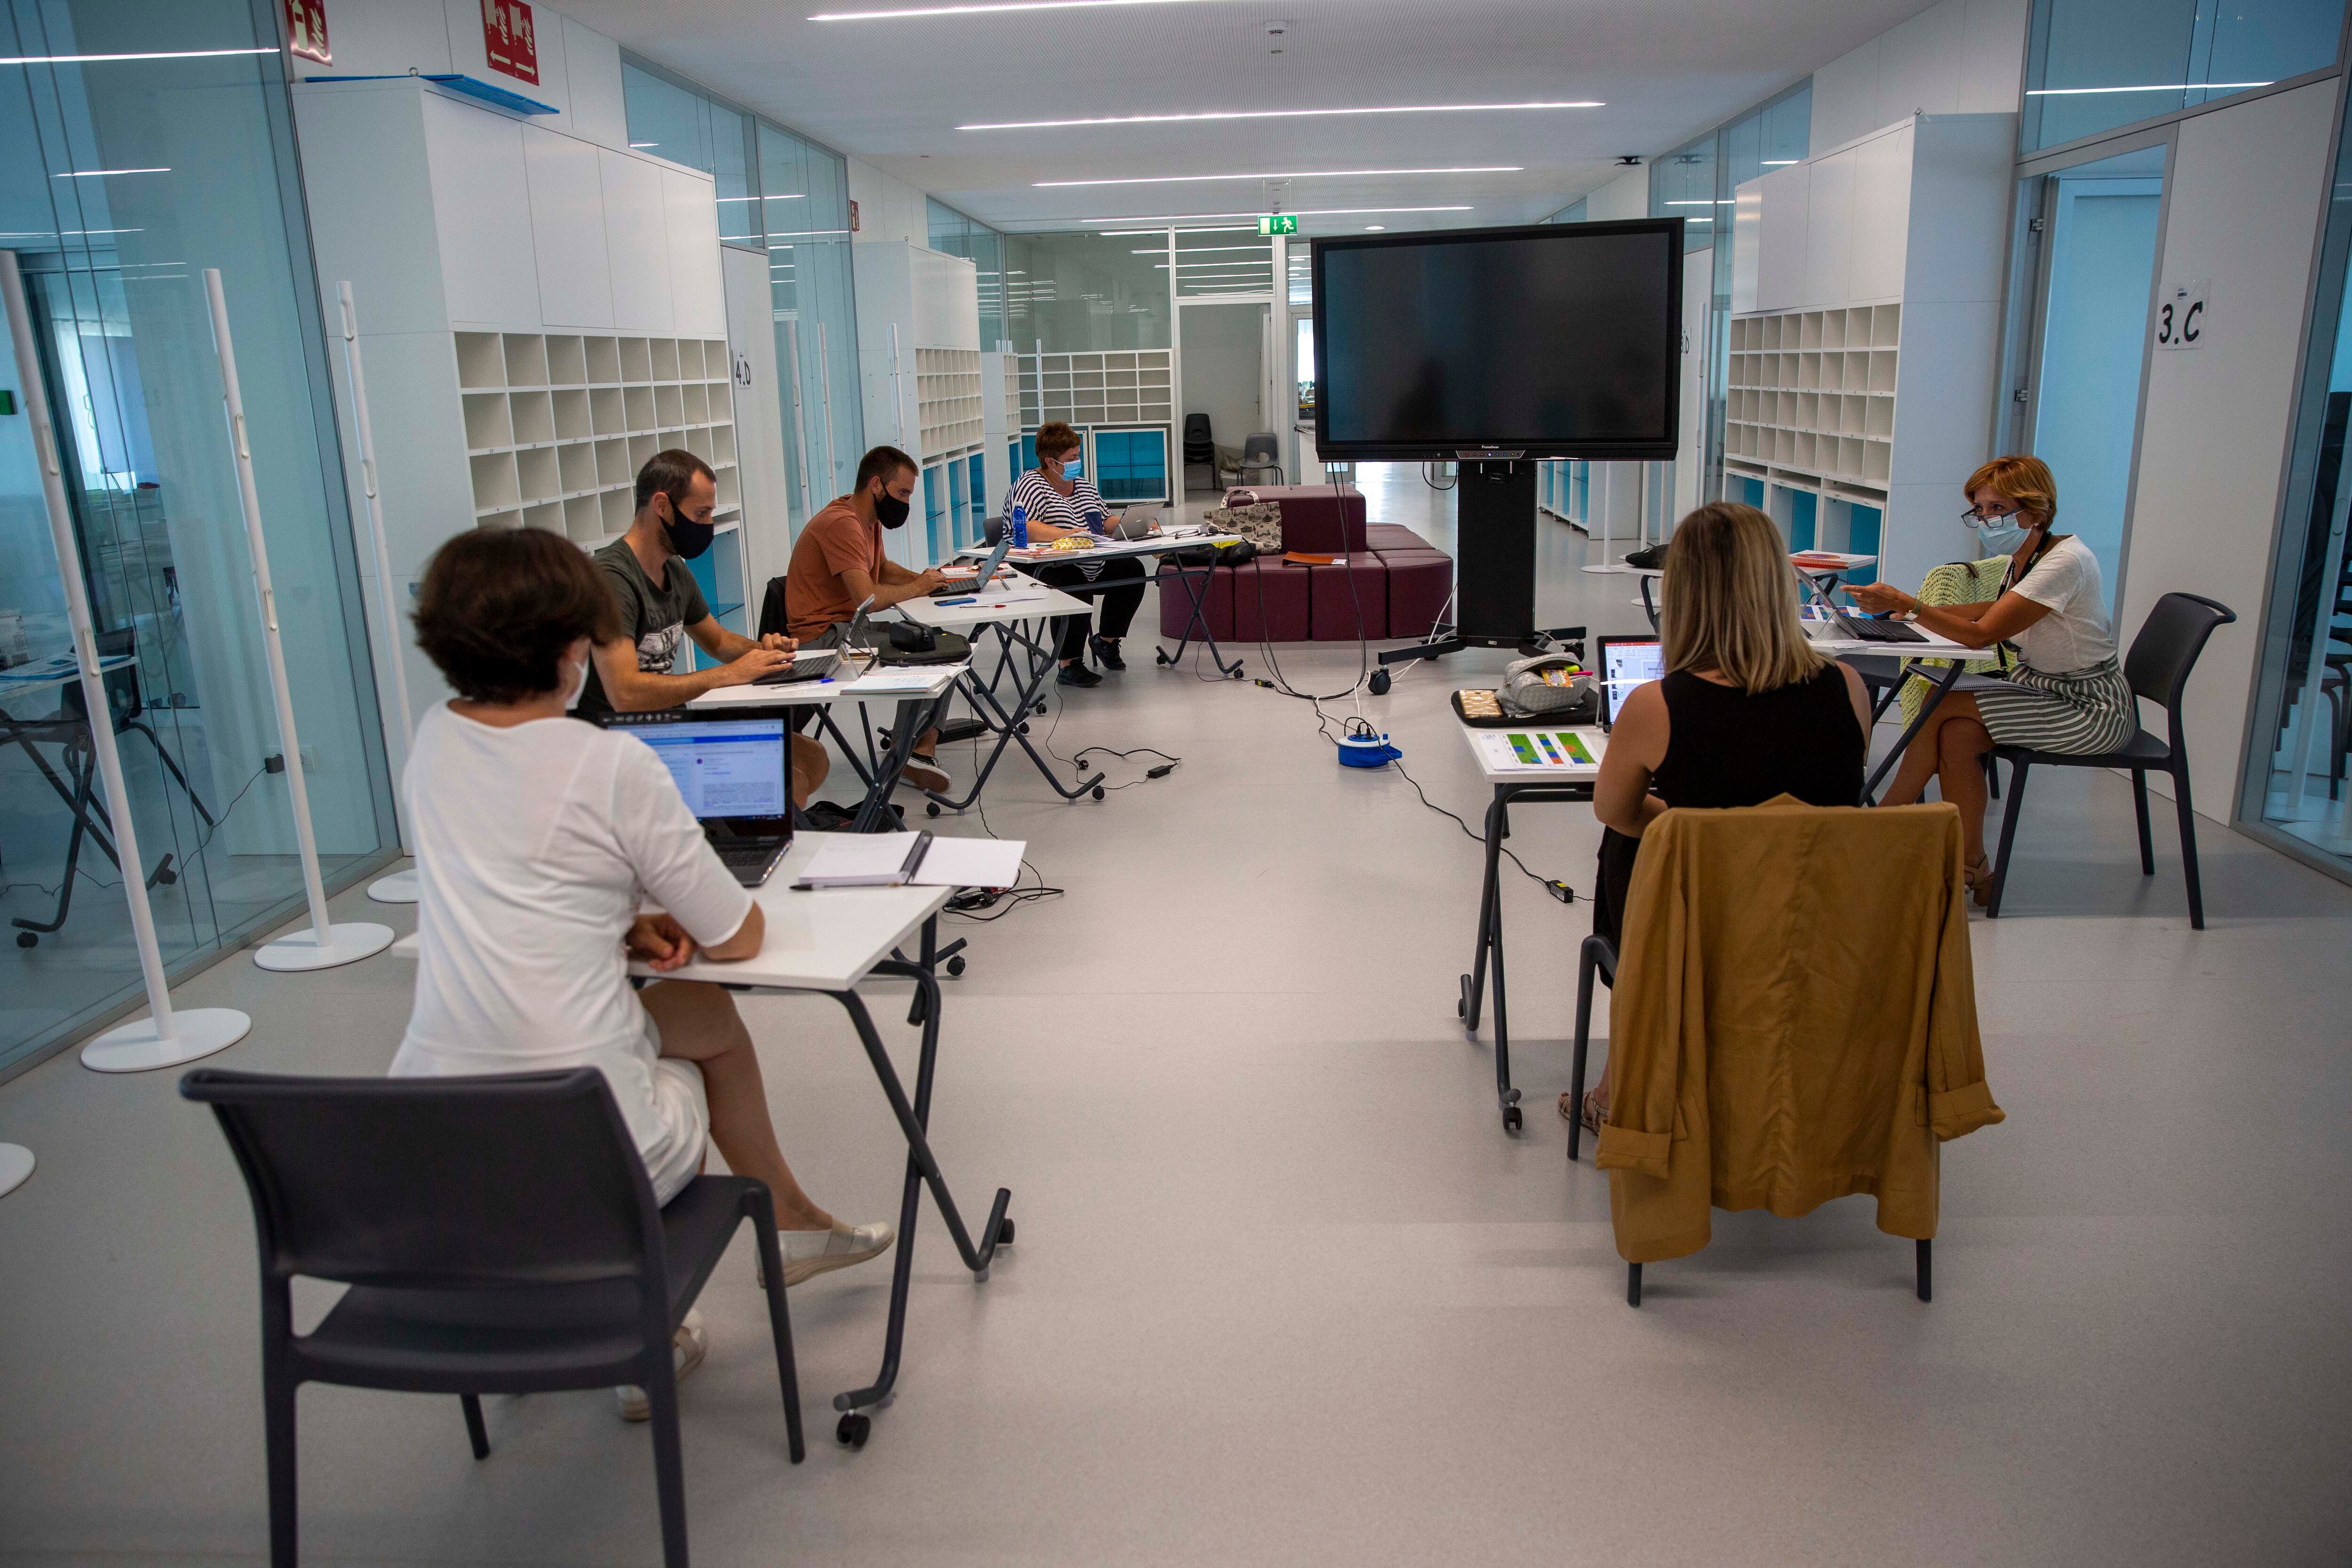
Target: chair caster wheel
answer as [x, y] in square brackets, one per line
[1041, 707]
[27, 938]
[932, 808]
[1023, 726]
[1380, 683]
[1099, 792]
[955, 964]
[1510, 1119]
[855, 1428]
[1236, 674]
[1004, 1232]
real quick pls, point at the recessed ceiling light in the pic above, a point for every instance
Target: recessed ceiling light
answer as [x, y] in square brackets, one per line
[1133, 233]
[978, 10]
[1374, 228]
[1294, 212]
[2157, 86]
[152, 54]
[100, 174]
[1780, 162]
[1292, 174]
[1272, 114]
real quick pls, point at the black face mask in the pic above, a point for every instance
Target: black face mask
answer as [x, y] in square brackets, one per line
[889, 510]
[690, 539]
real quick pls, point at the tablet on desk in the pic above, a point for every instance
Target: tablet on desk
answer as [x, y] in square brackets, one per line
[1625, 663]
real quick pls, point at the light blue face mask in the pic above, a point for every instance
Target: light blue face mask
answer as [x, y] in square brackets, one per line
[1072, 466]
[2001, 536]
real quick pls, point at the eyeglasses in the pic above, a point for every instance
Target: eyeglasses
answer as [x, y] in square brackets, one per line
[1977, 517]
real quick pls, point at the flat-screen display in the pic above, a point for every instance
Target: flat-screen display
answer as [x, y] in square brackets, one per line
[724, 767]
[1553, 340]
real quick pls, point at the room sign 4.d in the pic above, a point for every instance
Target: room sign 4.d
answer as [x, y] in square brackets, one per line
[2181, 318]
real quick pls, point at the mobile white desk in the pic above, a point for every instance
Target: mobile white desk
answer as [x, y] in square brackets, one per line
[1009, 611]
[1160, 546]
[918, 690]
[1511, 781]
[827, 941]
[1889, 667]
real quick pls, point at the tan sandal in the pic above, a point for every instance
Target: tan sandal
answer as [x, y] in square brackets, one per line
[1979, 880]
[1594, 1111]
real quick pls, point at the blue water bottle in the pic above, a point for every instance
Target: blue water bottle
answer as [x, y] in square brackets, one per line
[1020, 528]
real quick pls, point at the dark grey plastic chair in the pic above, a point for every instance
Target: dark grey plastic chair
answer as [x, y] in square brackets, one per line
[2158, 668]
[499, 1236]
[1261, 453]
[1199, 448]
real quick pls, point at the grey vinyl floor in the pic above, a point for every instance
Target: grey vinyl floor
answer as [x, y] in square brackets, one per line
[1285, 1291]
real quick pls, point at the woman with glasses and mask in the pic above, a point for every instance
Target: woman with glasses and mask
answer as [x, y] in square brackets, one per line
[1060, 502]
[2070, 693]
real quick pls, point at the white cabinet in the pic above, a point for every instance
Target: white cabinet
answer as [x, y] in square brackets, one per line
[481, 211]
[698, 294]
[567, 228]
[636, 216]
[1866, 302]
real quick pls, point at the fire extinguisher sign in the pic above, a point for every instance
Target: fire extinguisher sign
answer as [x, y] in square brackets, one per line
[509, 40]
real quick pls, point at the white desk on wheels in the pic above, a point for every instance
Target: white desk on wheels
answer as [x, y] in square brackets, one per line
[1009, 610]
[1891, 675]
[1554, 774]
[827, 941]
[1161, 546]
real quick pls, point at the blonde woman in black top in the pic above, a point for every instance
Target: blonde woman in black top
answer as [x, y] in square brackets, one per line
[1747, 710]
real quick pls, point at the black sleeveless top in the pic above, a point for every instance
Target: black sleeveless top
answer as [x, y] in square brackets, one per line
[1726, 747]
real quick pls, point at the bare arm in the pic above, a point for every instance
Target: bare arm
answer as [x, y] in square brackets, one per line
[635, 690]
[1621, 796]
[727, 647]
[898, 584]
[1859, 694]
[744, 943]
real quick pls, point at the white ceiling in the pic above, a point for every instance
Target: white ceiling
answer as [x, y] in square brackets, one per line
[891, 93]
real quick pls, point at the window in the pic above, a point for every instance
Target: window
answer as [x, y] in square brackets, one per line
[958, 234]
[2094, 65]
[1082, 292]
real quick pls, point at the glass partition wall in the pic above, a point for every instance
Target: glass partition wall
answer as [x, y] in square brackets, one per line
[121, 179]
[2093, 66]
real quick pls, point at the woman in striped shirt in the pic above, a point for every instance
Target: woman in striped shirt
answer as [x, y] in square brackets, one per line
[1059, 502]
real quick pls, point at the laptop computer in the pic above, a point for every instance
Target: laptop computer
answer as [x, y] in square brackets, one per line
[1625, 663]
[1139, 520]
[734, 777]
[988, 569]
[809, 664]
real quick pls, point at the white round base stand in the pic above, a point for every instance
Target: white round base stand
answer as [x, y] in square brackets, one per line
[399, 888]
[16, 1164]
[195, 1032]
[1613, 566]
[347, 942]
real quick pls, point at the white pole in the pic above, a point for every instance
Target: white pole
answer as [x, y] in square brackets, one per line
[800, 415]
[825, 391]
[1607, 496]
[399, 888]
[164, 1039]
[325, 944]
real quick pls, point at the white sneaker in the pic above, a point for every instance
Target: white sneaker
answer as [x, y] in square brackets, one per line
[809, 1253]
[687, 1347]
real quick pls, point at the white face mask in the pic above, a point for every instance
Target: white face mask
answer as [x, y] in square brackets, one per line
[579, 686]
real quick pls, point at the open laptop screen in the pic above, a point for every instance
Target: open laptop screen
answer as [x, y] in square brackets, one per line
[1626, 663]
[724, 767]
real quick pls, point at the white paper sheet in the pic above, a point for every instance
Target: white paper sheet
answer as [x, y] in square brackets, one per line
[972, 863]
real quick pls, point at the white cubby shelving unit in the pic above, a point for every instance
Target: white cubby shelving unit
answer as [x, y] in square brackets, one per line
[919, 367]
[558, 424]
[539, 312]
[1105, 391]
[1864, 331]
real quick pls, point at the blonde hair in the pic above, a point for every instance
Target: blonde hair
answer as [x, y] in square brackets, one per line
[1730, 601]
[2026, 483]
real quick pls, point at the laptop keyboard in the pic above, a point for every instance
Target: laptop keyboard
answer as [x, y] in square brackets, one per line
[799, 670]
[751, 862]
[1870, 628]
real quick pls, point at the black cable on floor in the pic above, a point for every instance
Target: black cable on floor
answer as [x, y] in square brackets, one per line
[1552, 885]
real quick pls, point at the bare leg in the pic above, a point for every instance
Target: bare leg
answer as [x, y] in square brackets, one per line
[1923, 755]
[810, 766]
[1963, 743]
[698, 1024]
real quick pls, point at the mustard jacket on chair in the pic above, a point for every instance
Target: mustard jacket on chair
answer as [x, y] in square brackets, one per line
[1794, 1020]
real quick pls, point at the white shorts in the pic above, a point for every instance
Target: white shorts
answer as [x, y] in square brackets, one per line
[684, 1106]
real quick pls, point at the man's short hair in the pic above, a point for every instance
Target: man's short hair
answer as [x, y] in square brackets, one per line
[669, 472]
[884, 463]
[498, 608]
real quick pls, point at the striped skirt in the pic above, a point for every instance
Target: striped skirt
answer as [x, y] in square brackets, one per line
[2081, 712]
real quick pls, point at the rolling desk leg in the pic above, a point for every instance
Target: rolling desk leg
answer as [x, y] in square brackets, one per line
[1488, 958]
[1199, 618]
[1011, 726]
[1942, 686]
[921, 1168]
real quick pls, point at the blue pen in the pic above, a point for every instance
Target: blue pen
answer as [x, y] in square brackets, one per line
[944, 604]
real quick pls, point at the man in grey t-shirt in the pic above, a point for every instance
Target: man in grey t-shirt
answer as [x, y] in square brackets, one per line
[660, 606]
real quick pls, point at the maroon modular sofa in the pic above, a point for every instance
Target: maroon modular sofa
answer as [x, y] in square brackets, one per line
[1387, 582]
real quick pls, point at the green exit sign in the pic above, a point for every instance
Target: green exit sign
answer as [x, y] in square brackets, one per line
[1280, 222]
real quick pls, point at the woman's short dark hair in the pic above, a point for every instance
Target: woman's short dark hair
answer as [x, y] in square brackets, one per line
[498, 608]
[1054, 437]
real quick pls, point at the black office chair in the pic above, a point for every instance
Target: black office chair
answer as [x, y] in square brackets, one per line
[1200, 450]
[2158, 667]
[1261, 453]
[499, 1236]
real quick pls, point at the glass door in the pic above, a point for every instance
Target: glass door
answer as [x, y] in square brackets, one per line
[128, 165]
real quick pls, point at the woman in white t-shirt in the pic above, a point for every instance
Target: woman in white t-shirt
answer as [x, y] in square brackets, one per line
[537, 837]
[2070, 693]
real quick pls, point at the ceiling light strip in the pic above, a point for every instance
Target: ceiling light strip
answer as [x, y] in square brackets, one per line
[1294, 212]
[1276, 114]
[979, 10]
[151, 54]
[1286, 174]
[2158, 87]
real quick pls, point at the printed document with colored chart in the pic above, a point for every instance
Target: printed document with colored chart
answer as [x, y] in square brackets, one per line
[1572, 752]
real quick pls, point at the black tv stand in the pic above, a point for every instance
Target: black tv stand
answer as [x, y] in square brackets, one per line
[1494, 566]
